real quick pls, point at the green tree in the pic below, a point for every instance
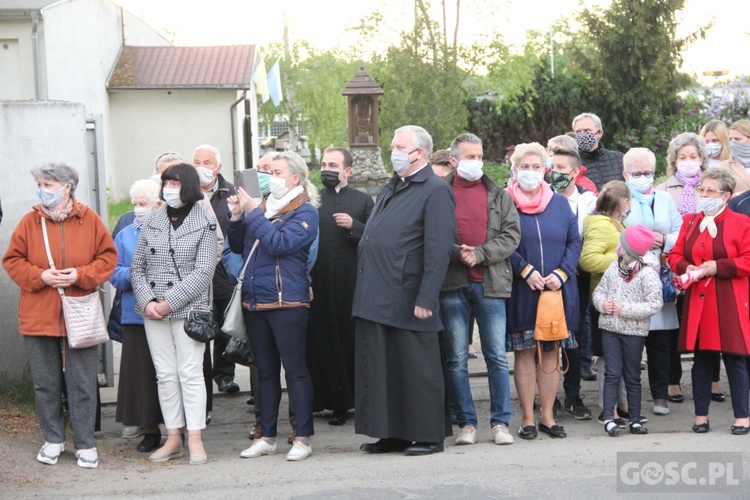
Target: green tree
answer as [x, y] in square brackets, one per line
[631, 55]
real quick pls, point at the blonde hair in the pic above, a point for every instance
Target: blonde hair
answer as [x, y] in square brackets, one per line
[636, 156]
[297, 166]
[612, 193]
[718, 128]
[524, 150]
[741, 126]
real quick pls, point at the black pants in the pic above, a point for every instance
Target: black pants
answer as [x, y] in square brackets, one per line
[623, 361]
[572, 378]
[739, 385]
[658, 353]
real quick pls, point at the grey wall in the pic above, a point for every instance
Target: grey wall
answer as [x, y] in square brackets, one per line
[31, 133]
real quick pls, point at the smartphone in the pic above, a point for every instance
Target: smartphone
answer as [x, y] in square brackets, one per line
[248, 180]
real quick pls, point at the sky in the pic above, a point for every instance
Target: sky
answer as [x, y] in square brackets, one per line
[324, 23]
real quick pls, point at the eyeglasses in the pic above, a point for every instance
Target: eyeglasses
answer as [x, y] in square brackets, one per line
[637, 175]
[710, 192]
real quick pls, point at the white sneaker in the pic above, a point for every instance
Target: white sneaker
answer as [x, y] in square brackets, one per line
[259, 448]
[88, 458]
[50, 452]
[132, 431]
[299, 451]
[468, 435]
[502, 436]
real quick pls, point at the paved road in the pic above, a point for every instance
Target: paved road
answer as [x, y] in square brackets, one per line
[581, 466]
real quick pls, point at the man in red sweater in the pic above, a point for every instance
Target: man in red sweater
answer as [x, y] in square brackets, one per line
[477, 283]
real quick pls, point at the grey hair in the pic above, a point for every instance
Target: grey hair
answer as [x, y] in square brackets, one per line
[524, 150]
[59, 172]
[565, 141]
[420, 137]
[209, 148]
[456, 144]
[297, 166]
[596, 119]
[723, 175]
[679, 142]
[169, 156]
[145, 188]
[634, 156]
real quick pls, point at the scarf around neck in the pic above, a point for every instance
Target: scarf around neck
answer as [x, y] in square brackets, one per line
[535, 205]
[646, 200]
[687, 202]
[274, 205]
[709, 221]
[59, 215]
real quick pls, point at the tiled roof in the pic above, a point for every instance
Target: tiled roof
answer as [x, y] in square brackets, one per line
[227, 67]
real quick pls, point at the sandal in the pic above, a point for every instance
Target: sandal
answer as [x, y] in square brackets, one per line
[636, 428]
[612, 428]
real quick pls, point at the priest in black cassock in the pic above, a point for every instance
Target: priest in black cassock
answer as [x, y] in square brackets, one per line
[402, 259]
[343, 214]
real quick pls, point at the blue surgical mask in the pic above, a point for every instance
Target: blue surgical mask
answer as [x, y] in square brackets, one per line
[264, 180]
[641, 184]
[50, 197]
[549, 163]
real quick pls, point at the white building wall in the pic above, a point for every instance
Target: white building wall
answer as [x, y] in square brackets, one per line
[16, 59]
[31, 133]
[147, 123]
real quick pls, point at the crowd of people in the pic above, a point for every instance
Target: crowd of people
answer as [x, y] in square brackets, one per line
[370, 306]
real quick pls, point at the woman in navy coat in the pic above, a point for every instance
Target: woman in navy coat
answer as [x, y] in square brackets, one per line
[546, 258]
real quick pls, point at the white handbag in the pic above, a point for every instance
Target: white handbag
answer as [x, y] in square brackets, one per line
[84, 318]
[234, 322]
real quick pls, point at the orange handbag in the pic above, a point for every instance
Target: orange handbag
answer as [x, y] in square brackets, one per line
[550, 321]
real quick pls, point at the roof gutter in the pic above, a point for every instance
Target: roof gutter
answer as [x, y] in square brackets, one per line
[35, 52]
[232, 111]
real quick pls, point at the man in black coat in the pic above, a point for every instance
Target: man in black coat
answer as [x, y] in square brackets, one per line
[402, 259]
[207, 162]
[330, 333]
[602, 164]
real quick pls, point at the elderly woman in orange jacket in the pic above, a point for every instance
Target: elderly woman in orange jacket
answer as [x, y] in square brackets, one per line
[714, 246]
[85, 256]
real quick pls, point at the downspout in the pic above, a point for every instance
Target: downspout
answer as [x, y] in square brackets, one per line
[232, 109]
[35, 52]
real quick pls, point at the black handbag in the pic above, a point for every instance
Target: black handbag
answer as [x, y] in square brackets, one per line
[239, 351]
[201, 326]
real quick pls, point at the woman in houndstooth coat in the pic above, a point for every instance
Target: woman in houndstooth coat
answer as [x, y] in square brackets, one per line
[171, 272]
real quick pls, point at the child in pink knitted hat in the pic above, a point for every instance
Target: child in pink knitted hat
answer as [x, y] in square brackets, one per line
[627, 296]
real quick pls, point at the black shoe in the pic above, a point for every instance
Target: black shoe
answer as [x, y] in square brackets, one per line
[555, 407]
[625, 415]
[621, 423]
[338, 418]
[577, 408]
[587, 374]
[418, 449]
[740, 430]
[702, 428]
[676, 398]
[386, 445]
[527, 432]
[556, 431]
[718, 397]
[251, 400]
[611, 428]
[226, 384]
[150, 442]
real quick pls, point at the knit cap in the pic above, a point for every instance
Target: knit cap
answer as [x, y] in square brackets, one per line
[637, 240]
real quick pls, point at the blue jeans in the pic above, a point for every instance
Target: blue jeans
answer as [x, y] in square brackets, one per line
[456, 306]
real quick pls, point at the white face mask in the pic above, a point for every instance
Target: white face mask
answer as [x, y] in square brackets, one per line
[529, 179]
[172, 197]
[641, 184]
[142, 212]
[278, 187]
[470, 170]
[206, 175]
[400, 161]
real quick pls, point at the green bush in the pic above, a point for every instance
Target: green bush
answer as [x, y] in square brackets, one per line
[116, 210]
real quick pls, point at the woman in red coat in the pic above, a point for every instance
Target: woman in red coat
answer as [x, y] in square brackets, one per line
[714, 247]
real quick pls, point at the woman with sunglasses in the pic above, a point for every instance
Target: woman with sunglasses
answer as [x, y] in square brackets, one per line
[658, 212]
[714, 245]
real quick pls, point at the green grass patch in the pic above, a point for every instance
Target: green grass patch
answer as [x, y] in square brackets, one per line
[18, 393]
[115, 211]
